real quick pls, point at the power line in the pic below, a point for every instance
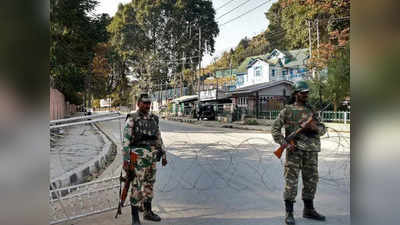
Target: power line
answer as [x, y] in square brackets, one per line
[224, 5]
[178, 60]
[234, 9]
[246, 12]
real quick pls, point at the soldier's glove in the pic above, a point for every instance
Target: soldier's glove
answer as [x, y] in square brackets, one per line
[310, 128]
[125, 166]
[159, 154]
[164, 162]
[289, 146]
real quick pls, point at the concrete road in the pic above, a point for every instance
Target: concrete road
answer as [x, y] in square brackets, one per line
[225, 176]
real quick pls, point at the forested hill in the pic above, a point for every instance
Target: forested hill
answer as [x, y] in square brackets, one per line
[288, 29]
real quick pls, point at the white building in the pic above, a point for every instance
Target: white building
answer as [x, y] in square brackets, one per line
[275, 66]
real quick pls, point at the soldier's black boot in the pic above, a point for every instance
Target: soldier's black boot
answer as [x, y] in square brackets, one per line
[289, 219]
[309, 211]
[149, 214]
[135, 215]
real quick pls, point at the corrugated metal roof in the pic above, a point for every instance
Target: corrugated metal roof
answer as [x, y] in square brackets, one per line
[260, 86]
[293, 58]
[243, 66]
[185, 98]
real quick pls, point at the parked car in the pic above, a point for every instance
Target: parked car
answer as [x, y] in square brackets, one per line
[206, 112]
[88, 111]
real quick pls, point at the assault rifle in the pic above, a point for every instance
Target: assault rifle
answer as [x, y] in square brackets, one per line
[290, 138]
[130, 174]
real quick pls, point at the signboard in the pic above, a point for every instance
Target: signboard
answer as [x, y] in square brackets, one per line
[105, 102]
[208, 95]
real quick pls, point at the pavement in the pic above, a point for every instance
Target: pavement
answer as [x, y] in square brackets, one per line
[217, 175]
[77, 154]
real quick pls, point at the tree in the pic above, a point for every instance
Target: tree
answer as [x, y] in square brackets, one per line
[73, 36]
[275, 34]
[338, 83]
[103, 81]
[152, 36]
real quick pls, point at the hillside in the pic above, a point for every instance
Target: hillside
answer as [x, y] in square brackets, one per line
[288, 30]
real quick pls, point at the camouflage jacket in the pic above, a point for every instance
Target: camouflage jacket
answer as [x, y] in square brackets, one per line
[141, 131]
[290, 118]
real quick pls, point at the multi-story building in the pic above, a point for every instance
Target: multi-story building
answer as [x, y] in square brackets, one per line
[275, 66]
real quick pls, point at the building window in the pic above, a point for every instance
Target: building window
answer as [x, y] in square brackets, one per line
[242, 101]
[258, 71]
[273, 72]
[284, 72]
[240, 80]
[291, 73]
[301, 70]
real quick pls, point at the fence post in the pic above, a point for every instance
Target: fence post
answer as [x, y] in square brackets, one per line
[270, 117]
[345, 117]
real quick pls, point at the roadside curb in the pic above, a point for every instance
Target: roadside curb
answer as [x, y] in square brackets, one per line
[90, 169]
[342, 128]
[183, 120]
[116, 163]
[226, 125]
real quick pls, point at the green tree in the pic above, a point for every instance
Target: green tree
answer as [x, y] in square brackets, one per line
[152, 36]
[338, 83]
[73, 36]
[275, 34]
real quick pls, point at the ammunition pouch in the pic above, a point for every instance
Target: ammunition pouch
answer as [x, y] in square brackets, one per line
[136, 143]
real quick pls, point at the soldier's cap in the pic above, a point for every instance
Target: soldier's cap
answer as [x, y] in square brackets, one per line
[144, 97]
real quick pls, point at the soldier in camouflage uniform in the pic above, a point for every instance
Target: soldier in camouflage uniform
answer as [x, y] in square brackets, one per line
[303, 155]
[142, 136]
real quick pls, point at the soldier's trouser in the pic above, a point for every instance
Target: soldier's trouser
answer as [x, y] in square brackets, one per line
[145, 176]
[307, 163]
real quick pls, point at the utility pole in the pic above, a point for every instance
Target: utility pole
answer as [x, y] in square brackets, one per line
[310, 45]
[198, 84]
[319, 75]
[230, 63]
[317, 37]
[182, 75]
[159, 93]
[309, 37]
[216, 90]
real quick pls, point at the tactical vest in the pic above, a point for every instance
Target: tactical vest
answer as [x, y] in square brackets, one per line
[295, 117]
[144, 132]
[307, 140]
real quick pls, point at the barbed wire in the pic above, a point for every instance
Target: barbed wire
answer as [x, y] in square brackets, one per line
[197, 154]
[203, 167]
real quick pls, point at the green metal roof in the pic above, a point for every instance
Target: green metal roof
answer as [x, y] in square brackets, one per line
[243, 66]
[294, 58]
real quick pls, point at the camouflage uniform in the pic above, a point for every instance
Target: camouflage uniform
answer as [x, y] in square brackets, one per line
[305, 155]
[142, 135]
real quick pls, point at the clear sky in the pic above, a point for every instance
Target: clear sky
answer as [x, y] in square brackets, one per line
[230, 34]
